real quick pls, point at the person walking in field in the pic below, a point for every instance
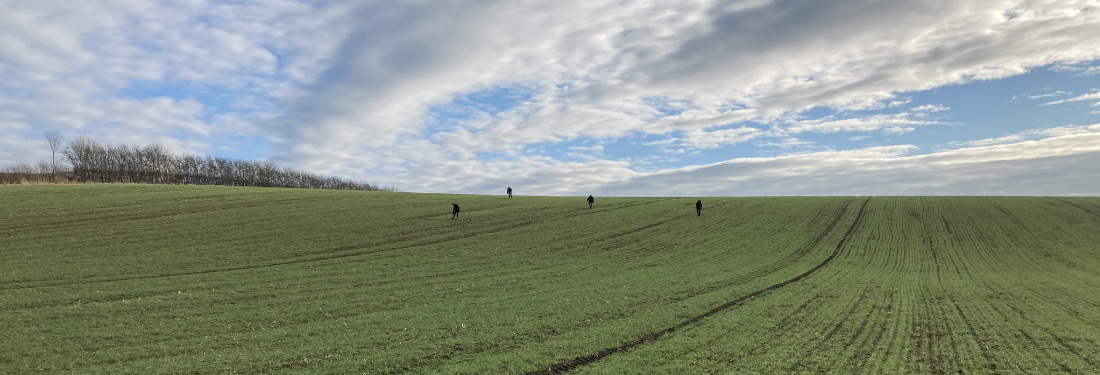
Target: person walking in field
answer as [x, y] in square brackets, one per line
[699, 207]
[509, 192]
[454, 211]
[591, 201]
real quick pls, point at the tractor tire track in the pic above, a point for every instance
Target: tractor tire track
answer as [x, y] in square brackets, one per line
[1082, 208]
[770, 268]
[299, 261]
[122, 217]
[172, 291]
[579, 361]
[632, 231]
[827, 212]
[514, 225]
[827, 216]
[779, 327]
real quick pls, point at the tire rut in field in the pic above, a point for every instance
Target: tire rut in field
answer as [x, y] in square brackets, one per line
[824, 214]
[770, 268]
[574, 363]
[1082, 208]
[779, 326]
[120, 217]
[318, 259]
[311, 260]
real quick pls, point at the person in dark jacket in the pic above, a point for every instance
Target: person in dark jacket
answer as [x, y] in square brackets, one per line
[699, 207]
[591, 201]
[509, 192]
[454, 211]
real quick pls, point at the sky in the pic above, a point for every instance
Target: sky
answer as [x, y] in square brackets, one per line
[578, 97]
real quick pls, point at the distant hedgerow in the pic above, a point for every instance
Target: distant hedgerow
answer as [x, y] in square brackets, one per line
[155, 164]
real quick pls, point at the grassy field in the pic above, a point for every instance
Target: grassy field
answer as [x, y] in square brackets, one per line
[175, 279]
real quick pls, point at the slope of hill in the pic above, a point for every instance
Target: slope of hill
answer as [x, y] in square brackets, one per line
[174, 279]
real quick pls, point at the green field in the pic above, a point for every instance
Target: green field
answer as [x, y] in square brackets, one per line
[178, 279]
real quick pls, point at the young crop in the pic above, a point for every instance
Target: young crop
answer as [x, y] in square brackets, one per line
[171, 279]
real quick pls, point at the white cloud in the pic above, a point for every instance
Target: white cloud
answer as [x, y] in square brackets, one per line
[112, 120]
[1048, 95]
[529, 175]
[139, 72]
[1034, 134]
[585, 152]
[790, 142]
[1081, 71]
[349, 87]
[1055, 161]
[594, 68]
[888, 123]
[1058, 165]
[704, 139]
[931, 108]
[858, 138]
[900, 102]
[895, 130]
[1085, 97]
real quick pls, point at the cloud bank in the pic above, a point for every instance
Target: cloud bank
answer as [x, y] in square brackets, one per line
[468, 96]
[1058, 165]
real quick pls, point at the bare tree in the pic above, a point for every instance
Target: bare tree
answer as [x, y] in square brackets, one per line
[54, 138]
[157, 164]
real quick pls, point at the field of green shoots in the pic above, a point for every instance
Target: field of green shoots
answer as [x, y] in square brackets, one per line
[141, 279]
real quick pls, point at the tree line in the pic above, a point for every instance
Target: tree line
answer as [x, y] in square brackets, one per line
[89, 161]
[22, 173]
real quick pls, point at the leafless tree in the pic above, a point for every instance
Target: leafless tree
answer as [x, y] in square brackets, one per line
[54, 138]
[155, 164]
[23, 173]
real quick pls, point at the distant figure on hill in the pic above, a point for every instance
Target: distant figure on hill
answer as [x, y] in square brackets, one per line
[591, 201]
[454, 211]
[699, 207]
[509, 192]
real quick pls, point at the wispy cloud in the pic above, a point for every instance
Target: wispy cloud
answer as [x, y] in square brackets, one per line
[1048, 95]
[585, 152]
[888, 123]
[1080, 98]
[900, 102]
[789, 142]
[931, 108]
[706, 139]
[1030, 135]
[1081, 71]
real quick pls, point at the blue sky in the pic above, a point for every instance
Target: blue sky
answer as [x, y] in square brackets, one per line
[578, 97]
